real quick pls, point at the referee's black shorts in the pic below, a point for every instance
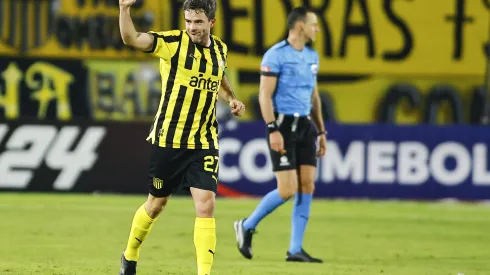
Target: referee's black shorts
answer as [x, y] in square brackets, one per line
[299, 136]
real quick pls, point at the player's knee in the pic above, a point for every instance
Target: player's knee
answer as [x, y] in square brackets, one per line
[308, 188]
[205, 209]
[287, 188]
[155, 205]
[308, 185]
[204, 202]
[286, 194]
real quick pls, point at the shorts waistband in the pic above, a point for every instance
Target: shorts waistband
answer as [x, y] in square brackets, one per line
[290, 120]
[280, 116]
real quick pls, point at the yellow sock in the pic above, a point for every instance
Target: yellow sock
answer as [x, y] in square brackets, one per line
[142, 224]
[205, 242]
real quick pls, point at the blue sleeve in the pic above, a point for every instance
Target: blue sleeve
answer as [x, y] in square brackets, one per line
[270, 65]
[317, 65]
[317, 61]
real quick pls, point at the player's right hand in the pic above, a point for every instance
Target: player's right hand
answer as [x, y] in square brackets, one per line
[277, 142]
[126, 3]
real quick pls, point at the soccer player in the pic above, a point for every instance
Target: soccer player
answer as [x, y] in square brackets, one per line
[288, 96]
[184, 134]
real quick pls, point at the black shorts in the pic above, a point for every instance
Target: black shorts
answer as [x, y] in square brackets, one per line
[170, 168]
[299, 143]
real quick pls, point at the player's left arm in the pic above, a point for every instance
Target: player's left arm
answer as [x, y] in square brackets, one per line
[317, 116]
[227, 94]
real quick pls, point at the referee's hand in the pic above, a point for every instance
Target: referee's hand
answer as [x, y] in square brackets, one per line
[237, 107]
[277, 142]
[322, 146]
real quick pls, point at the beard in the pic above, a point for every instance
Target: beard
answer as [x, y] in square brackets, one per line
[199, 38]
[309, 43]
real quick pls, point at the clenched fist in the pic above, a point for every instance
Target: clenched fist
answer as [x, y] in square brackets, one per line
[126, 3]
[237, 107]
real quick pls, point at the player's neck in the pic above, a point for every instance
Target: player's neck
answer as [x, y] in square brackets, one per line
[206, 43]
[297, 42]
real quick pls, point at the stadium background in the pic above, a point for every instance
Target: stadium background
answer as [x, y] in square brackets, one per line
[404, 86]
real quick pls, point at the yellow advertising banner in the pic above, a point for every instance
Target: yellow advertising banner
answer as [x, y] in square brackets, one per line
[127, 90]
[71, 28]
[363, 37]
[122, 90]
[131, 90]
[361, 100]
[357, 36]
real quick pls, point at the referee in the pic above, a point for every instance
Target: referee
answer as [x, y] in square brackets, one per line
[290, 105]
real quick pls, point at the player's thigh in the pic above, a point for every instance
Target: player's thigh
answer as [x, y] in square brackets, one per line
[284, 161]
[306, 147]
[204, 202]
[202, 171]
[284, 166]
[287, 183]
[306, 159]
[166, 171]
[201, 177]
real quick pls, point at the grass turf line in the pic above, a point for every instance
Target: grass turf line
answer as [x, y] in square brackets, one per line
[85, 234]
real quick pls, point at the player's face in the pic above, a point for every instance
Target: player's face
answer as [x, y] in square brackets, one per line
[310, 27]
[198, 26]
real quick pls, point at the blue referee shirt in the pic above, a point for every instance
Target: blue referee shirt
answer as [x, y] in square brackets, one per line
[296, 72]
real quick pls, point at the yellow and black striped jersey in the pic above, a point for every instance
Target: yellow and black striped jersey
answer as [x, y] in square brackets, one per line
[191, 78]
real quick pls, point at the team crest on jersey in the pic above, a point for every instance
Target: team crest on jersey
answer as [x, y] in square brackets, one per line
[158, 183]
[314, 68]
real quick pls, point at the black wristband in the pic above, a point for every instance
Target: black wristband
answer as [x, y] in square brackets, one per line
[322, 133]
[272, 127]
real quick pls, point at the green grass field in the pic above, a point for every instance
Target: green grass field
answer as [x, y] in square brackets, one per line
[66, 234]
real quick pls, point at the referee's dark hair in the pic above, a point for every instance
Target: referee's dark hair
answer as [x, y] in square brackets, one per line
[297, 14]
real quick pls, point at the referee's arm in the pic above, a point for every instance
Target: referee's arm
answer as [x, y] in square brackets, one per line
[267, 88]
[316, 110]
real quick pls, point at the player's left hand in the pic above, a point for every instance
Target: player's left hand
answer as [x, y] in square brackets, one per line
[237, 107]
[322, 146]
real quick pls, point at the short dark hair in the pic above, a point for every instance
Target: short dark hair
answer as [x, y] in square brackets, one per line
[297, 14]
[208, 6]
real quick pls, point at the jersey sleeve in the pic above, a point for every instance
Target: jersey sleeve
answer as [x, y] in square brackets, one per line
[317, 65]
[221, 50]
[270, 65]
[317, 60]
[164, 45]
[225, 57]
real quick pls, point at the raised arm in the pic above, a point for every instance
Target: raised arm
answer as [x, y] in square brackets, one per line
[130, 37]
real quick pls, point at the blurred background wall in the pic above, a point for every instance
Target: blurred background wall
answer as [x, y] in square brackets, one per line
[404, 86]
